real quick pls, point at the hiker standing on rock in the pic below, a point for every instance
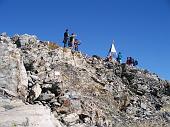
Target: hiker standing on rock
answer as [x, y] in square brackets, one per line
[119, 57]
[135, 62]
[129, 61]
[72, 40]
[76, 43]
[66, 37]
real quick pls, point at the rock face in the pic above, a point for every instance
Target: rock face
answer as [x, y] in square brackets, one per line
[13, 76]
[79, 91]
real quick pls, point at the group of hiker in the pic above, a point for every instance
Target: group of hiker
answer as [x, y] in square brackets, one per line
[131, 61]
[118, 57]
[70, 40]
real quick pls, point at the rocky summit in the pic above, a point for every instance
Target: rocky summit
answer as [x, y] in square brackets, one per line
[44, 85]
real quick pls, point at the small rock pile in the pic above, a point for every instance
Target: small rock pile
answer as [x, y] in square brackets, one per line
[80, 91]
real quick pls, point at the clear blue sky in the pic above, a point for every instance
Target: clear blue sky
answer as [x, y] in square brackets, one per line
[140, 28]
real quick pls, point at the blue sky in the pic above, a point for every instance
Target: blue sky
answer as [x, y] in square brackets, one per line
[140, 28]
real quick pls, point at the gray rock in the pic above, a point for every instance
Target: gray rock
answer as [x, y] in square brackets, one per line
[2, 109]
[46, 97]
[30, 80]
[143, 106]
[56, 104]
[34, 77]
[74, 95]
[79, 125]
[47, 86]
[4, 34]
[27, 39]
[37, 90]
[166, 115]
[71, 118]
[30, 84]
[57, 123]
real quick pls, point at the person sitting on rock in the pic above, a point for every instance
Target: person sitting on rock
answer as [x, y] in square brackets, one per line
[66, 37]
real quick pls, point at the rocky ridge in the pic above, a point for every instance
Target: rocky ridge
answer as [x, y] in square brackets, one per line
[42, 84]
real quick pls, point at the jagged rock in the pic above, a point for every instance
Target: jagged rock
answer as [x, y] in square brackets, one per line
[166, 115]
[27, 39]
[36, 89]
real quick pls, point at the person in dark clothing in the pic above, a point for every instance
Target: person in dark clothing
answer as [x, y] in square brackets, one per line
[72, 40]
[132, 61]
[129, 61]
[66, 37]
[135, 63]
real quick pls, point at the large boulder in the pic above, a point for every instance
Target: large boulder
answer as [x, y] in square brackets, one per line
[13, 76]
[16, 114]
